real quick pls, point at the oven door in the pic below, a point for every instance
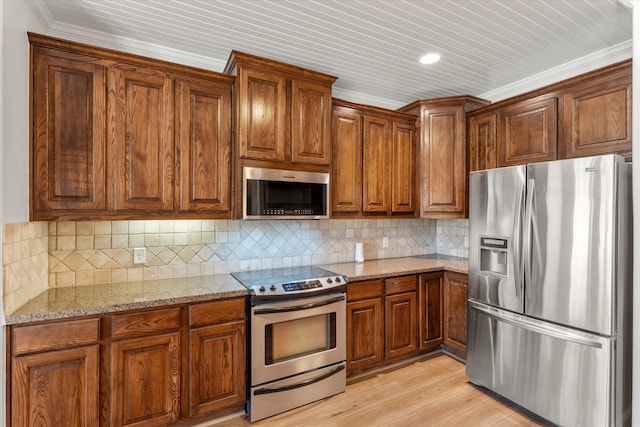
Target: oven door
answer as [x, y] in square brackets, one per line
[296, 336]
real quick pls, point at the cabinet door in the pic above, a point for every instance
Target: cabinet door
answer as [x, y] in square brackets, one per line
[203, 141]
[401, 324]
[217, 363]
[482, 141]
[527, 131]
[141, 110]
[365, 333]
[310, 123]
[145, 381]
[455, 299]
[403, 173]
[69, 134]
[346, 177]
[430, 304]
[57, 388]
[444, 170]
[597, 116]
[262, 115]
[376, 148]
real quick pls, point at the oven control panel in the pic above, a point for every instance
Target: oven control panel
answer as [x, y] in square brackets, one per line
[302, 286]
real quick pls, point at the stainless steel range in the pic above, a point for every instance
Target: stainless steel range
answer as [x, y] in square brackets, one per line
[298, 337]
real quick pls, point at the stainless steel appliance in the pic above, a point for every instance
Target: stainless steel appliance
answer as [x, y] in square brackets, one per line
[549, 309]
[284, 194]
[298, 337]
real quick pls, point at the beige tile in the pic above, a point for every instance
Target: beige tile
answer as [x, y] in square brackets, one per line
[102, 242]
[66, 279]
[120, 227]
[66, 243]
[102, 227]
[85, 228]
[84, 242]
[84, 278]
[101, 277]
[136, 227]
[66, 228]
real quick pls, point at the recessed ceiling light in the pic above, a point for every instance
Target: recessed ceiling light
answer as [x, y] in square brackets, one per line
[430, 58]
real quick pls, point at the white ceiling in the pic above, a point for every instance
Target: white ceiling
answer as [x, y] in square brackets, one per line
[491, 49]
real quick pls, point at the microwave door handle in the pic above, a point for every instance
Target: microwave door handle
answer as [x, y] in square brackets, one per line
[269, 390]
[298, 307]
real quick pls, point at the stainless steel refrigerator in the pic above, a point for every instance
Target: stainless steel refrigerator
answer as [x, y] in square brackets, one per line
[550, 288]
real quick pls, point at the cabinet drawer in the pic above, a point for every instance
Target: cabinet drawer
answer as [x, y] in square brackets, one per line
[149, 322]
[364, 290]
[398, 285]
[217, 312]
[55, 336]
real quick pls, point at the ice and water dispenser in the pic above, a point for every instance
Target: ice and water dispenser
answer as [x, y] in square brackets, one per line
[493, 256]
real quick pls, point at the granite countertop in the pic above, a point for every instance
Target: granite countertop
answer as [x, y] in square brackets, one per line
[60, 303]
[68, 302]
[389, 267]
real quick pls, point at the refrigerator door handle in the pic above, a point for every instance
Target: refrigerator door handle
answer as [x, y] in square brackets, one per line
[539, 327]
[526, 243]
[518, 260]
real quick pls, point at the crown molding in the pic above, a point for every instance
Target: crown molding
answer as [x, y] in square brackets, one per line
[602, 58]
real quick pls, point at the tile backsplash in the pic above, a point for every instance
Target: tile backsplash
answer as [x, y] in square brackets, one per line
[38, 255]
[25, 262]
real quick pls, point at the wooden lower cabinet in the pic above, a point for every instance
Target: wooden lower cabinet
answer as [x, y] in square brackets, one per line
[455, 302]
[401, 326]
[365, 325]
[144, 369]
[217, 356]
[54, 377]
[56, 388]
[145, 381]
[400, 317]
[430, 310]
[136, 368]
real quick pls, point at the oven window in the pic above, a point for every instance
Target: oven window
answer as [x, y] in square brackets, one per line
[299, 337]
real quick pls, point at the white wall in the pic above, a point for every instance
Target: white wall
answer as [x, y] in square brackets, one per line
[636, 216]
[16, 18]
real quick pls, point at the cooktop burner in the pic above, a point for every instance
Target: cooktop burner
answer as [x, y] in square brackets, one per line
[290, 281]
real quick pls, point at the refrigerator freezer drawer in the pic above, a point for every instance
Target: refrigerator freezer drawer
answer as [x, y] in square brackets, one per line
[563, 375]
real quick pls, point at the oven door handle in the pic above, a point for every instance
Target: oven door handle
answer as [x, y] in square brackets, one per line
[298, 307]
[269, 390]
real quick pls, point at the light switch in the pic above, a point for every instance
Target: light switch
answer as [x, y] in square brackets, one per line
[139, 255]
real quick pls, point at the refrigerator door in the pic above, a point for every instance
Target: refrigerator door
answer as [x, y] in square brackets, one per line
[571, 227]
[561, 374]
[496, 210]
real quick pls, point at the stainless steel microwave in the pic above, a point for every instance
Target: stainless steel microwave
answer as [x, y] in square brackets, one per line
[284, 194]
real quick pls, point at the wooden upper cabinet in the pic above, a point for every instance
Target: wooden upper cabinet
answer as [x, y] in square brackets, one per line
[141, 125]
[403, 171]
[527, 131]
[262, 115]
[586, 115]
[482, 141]
[346, 176]
[283, 112]
[69, 134]
[376, 151]
[203, 142]
[119, 136]
[374, 158]
[597, 115]
[443, 151]
[310, 123]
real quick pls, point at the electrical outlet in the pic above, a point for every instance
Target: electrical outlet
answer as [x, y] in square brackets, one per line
[385, 242]
[139, 255]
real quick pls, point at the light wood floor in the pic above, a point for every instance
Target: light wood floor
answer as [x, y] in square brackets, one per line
[431, 392]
